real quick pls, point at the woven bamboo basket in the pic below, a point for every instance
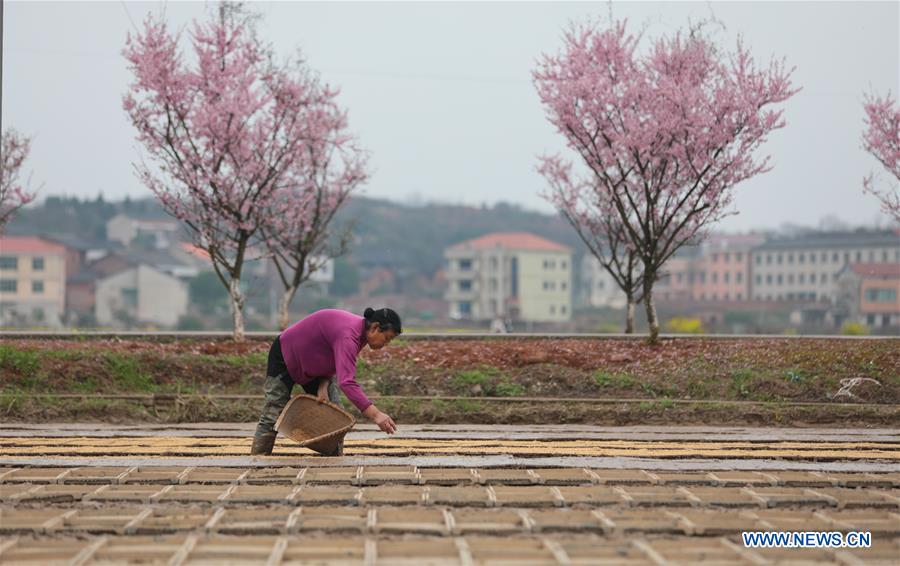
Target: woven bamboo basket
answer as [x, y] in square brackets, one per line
[317, 426]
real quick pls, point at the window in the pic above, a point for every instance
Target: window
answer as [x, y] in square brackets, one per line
[715, 296]
[759, 280]
[563, 265]
[563, 285]
[884, 256]
[824, 257]
[465, 264]
[779, 280]
[9, 262]
[465, 285]
[37, 287]
[8, 285]
[465, 308]
[492, 285]
[600, 284]
[562, 309]
[738, 296]
[834, 257]
[549, 264]
[791, 279]
[768, 259]
[703, 277]
[871, 255]
[715, 258]
[812, 257]
[726, 257]
[846, 257]
[740, 276]
[801, 278]
[129, 296]
[727, 277]
[759, 260]
[738, 256]
[727, 296]
[790, 258]
[715, 277]
[678, 277]
[493, 264]
[881, 295]
[37, 264]
[778, 259]
[858, 256]
[514, 277]
[801, 258]
[769, 279]
[552, 309]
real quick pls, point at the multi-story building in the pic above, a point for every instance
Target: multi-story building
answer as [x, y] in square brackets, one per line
[869, 293]
[805, 268]
[513, 275]
[140, 294]
[158, 233]
[32, 281]
[721, 271]
[677, 280]
[598, 288]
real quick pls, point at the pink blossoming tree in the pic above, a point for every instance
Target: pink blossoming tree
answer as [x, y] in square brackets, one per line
[14, 148]
[317, 185]
[882, 140]
[593, 216]
[666, 134]
[222, 132]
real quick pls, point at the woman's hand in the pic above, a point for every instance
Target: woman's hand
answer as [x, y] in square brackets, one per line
[383, 420]
[385, 423]
[322, 393]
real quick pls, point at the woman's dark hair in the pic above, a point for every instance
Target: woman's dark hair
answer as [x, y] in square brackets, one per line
[386, 318]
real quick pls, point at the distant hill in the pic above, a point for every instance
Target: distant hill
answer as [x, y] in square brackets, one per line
[414, 236]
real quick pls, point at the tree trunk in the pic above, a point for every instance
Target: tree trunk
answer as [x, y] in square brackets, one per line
[629, 316]
[237, 308]
[652, 321]
[284, 304]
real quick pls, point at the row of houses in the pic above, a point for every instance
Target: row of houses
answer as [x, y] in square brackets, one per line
[49, 282]
[138, 276]
[835, 276]
[842, 276]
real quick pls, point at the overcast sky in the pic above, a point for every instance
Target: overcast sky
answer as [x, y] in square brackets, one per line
[441, 93]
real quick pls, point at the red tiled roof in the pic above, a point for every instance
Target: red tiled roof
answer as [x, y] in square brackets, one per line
[194, 250]
[891, 270]
[29, 245]
[512, 240]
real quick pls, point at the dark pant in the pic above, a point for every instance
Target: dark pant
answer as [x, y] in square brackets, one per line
[278, 387]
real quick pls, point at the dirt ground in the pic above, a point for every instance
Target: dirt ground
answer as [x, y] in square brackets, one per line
[680, 380]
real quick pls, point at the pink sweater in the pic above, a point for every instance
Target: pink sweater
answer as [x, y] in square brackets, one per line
[324, 344]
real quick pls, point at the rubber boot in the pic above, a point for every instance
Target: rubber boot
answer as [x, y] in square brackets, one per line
[263, 444]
